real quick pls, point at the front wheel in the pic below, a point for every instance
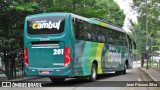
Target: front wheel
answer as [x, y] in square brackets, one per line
[122, 72]
[93, 75]
[125, 68]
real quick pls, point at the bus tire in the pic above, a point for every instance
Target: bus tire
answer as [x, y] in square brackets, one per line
[125, 68]
[55, 80]
[93, 75]
[118, 72]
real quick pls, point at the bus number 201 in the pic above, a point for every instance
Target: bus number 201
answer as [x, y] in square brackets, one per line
[58, 51]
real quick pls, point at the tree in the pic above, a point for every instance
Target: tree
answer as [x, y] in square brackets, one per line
[11, 27]
[103, 9]
[151, 10]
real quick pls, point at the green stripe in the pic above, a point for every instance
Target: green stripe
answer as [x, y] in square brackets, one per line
[85, 59]
[88, 56]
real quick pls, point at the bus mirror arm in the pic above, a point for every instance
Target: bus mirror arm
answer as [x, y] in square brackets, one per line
[134, 45]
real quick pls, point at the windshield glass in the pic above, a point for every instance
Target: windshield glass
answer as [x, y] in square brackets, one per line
[46, 25]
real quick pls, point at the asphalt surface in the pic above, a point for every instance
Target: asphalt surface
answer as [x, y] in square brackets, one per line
[108, 81]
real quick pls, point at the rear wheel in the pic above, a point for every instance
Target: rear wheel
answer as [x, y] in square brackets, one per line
[118, 72]
[54, 80]
[93, 75]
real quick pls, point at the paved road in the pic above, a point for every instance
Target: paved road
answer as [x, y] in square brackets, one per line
[134, 74]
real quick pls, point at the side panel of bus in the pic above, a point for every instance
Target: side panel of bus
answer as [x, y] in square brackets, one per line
[114, 57]
[108, 57]
[85, 53]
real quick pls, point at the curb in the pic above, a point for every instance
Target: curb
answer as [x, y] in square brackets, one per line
[153, 79]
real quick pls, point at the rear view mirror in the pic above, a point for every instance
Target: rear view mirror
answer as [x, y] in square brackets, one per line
[134, 45]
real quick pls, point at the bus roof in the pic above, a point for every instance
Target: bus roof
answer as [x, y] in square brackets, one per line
[99, 22]
[90, 20]
[46, 14]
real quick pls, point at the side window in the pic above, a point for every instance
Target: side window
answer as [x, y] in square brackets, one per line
[94, 33]
[122, 39]
[87, 29]
[106, 35]
[115, 37]
[101, 35]
[82, 29]
[75, 27]
[79, 29]
[91, 32]
[111, 39]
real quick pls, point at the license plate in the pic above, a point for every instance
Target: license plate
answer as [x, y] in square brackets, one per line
[45, 72]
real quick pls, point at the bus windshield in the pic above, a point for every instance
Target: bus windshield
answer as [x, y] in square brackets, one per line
[46, 25]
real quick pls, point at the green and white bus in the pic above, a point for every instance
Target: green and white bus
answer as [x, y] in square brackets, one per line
[62, 45]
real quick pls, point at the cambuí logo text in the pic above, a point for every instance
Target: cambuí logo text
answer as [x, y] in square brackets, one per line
[46, 25]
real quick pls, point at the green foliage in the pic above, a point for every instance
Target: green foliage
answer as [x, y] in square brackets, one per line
[158, 42]
[151, 9]
[139, 36]
[103, 9]
[30, 7]
[11, 25]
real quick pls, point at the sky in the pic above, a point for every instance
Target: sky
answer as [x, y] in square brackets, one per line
[125, 6]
